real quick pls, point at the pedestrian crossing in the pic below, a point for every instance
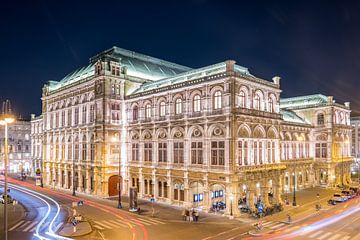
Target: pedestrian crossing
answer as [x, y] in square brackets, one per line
[119, 223]
[328, 235]
[273, 225]
[30, 226]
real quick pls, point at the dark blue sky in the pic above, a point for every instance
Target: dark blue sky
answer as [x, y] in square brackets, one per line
[313, 45]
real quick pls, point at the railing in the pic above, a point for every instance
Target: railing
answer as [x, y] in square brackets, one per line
[264, 167]
[259, 113]
[215, 112]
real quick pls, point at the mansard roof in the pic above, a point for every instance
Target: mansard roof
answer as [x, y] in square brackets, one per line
[292, 117]
[137, 65]
[193, 74]
[304, 101]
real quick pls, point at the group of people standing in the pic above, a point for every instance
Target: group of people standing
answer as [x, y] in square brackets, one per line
[191, 215]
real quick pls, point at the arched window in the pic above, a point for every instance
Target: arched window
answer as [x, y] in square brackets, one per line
[320, 119]
[242, 100]
[148, 111]
[178, 106]
[217, 100]
[83, 148]
[257, 102]
[135, 113]
[271, 105]
[162, 110]
[197, 103]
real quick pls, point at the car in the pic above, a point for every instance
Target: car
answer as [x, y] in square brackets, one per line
[9, 199]
[348, 193]
[337, 197]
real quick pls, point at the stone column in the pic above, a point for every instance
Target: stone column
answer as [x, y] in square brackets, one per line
[265, 192]
[250, 196]
[88, 181]
[80, 180]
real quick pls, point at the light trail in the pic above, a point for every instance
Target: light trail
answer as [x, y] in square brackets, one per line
[41, 197]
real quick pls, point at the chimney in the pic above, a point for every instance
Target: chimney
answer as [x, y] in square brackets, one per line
[32, 116]
[347, 104]
[230, 65]
[330, 99]
[276, 80]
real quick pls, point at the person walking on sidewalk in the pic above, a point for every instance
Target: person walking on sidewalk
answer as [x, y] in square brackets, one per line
[183, 213]
[196, 215]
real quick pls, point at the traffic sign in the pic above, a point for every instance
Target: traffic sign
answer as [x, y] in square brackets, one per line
[80, 203]
[74, 222]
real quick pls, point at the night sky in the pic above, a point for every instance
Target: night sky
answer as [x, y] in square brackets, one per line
[313, 45]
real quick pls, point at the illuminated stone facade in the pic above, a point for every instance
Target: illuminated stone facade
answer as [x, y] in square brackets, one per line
[189, 137]
[19, 147]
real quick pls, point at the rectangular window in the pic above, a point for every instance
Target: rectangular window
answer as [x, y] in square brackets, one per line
[256, 153]
[92, 152]
[83, 120]
[63, 118]
[76, 122]
[218, 153]
[317, 150]
[178, 152]
[69, 119]
[162, 150]
[83, 153]
[135, 152]
[92, 113]
[148, 152]
[240, 152]
[196, 153]
[324, 150]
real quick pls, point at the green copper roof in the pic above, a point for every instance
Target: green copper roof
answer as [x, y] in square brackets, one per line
[290, 116]
[190, 75]
[303, 101]
[137, 65]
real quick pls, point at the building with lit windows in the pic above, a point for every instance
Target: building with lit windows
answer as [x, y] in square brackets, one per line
[355, 123]
[19, 147]
[36, 142]
[189, 137]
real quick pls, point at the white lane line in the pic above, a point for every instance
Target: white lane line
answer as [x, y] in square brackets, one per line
[153, 220]
[276, 226]
[316, 234]
[335, 237]
[102, 224]
[324, 236]
[58, 226]
[30, 226]
[118, 223]
[98, 227]
[346, 238]
[43, 226]
[147, 221]
[16, 225]
[267, 223]
[111, 224]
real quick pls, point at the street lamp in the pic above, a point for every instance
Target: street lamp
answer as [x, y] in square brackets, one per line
[115, 139]
[5, 121]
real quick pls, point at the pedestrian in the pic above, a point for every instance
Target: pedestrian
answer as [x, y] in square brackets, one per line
[196, 214]
[191, 215]
[183, 215]
[187, 215]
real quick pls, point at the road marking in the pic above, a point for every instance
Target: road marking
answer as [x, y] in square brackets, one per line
[153, 220]
[58, 227]
[42, 227]
[267, 223]
[139, 223]
[15, 226]
[324, 236]
[102, 224]
[118, 223]
[336, 236]
[30, 226]
[148, 221]
[276, 226]
[110, 224]
[98, 227]
[316, 234]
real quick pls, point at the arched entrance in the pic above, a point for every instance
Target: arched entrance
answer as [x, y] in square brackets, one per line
[217, 192]
[113, 185]
[197, 194]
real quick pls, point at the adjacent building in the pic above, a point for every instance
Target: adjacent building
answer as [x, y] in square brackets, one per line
[36, 143]
[190, 137]
[19, 147]
[355, 123]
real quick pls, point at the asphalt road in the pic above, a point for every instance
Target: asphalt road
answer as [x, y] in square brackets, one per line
[109, 223]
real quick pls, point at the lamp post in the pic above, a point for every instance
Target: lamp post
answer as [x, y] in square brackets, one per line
[5, 121]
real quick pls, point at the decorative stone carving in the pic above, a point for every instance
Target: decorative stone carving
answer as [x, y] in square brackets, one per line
[196, 133]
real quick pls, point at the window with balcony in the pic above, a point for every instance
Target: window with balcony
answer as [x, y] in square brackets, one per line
[197, 103]
[217, 100]
[218, 153]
